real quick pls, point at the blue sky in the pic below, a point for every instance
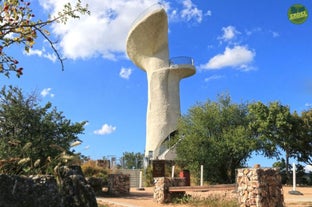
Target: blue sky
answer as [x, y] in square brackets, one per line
[248, 49]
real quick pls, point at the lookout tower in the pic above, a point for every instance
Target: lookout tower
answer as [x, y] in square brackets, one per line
[147, 47]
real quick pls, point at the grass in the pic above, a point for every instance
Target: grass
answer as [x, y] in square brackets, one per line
[214, 203]
[102, 205]
[206, 202]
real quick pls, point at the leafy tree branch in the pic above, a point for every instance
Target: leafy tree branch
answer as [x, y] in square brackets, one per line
[18, 26]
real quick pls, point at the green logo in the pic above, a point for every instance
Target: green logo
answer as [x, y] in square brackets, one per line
[297, 14]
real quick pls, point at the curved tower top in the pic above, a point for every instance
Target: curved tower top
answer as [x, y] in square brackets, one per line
[148, 39]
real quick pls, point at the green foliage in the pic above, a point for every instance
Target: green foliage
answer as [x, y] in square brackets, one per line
[184, 199]
[103, 205]
[148, 176]
[221, 136]
[276, 128]
[132, 160]
[19, 26]
[211, 201]
[33, 138]
[215, 202]
[217, 136]
[90, 169]
[304, 145]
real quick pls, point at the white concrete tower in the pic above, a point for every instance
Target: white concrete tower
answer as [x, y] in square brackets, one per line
[147, 47]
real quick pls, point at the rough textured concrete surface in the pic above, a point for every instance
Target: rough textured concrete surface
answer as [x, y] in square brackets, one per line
[43, 190]
[147, 47]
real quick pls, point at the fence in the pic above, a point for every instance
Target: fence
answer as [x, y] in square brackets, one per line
[181, 60]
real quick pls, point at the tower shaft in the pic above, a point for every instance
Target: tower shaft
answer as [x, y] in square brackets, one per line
[147, 47]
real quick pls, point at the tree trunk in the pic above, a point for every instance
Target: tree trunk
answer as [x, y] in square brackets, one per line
[287, 167]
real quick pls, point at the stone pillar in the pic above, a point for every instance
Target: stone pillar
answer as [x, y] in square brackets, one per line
[161, 190]
[259, 187]
[75, 190]
[118, 184]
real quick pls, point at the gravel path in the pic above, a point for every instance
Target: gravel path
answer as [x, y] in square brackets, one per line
[145, 198]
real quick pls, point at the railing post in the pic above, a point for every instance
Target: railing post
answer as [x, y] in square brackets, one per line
[201, 175]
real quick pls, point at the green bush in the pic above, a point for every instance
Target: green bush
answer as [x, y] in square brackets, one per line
[90, 169]
[149, 181]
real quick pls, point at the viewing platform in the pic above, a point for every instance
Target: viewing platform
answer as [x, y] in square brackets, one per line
[183, 65]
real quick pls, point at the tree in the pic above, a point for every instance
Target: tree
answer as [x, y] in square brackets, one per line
[33, 138]
[132, 160]
[277, 128]
[19, 26]
[304, 146]
[215, 134]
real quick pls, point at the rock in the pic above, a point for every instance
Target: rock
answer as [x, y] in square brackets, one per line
[118, 184]
[75, 190]
[161, 190]
[43, 190]
[19, 191]
[259, 187]
[97, 184]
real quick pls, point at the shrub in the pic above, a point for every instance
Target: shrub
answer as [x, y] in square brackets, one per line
[213, 201]
[90, 169]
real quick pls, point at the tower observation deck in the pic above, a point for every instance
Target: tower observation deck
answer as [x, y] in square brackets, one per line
[147, 47]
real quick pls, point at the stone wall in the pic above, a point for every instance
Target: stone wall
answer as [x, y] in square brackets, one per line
[73, 191]
[161, 190]
[134, 176]
[118, 184]
[259, 187]
[256, 187]
[97, 184]
[18, 191]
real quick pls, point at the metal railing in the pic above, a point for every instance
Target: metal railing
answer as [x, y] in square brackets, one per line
[182, 60]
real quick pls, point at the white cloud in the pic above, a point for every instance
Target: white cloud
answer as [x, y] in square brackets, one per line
[213, 77]
[308, 168]
[47, 92]
[208, 13]
[275, 34]
[125, 73]
[190, 11]
[104, 32]
[41, 53]
[239, 57]
[308, 105]
[106, 129]
[254, 30]
[229, 33]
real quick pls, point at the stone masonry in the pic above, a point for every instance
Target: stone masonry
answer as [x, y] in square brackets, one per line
[118, 184]
[259, 187]
[256, 187]
[162, 184]
[43, 190]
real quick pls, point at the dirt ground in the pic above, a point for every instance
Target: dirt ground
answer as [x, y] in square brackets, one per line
[139, 198]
